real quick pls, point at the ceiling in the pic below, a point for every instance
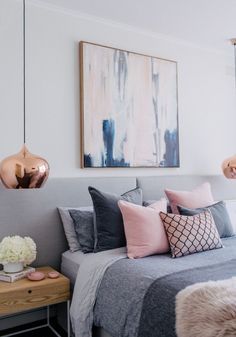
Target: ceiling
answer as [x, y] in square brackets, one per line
[209, 23]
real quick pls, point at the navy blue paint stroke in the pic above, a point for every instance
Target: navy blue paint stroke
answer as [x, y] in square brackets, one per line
[87, 160]
[107, 159]
[171, 156]
[108, 130]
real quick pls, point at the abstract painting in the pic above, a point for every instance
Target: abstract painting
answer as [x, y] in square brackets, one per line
[129, 109]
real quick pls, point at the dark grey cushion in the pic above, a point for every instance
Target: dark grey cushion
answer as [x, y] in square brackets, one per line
[220, 215]
[68, 225]
[109, 227]
[84, 228]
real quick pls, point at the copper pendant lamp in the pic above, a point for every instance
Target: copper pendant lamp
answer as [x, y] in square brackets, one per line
[24, 169]
[229, 164]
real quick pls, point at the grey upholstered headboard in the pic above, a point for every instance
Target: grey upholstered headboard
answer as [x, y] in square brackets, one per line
[34, 212]
[153, 187]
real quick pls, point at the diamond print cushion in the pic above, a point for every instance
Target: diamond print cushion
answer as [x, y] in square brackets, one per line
[191, 234]
[201, 196]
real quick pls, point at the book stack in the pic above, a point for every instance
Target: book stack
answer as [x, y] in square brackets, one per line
[12, 277]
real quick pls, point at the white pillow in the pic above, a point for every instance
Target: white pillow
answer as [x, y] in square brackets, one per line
[231, 208]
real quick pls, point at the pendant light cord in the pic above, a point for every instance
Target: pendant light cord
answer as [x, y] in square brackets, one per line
[24, 67]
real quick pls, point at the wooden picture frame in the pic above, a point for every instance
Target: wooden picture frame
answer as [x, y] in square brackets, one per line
[129, 109]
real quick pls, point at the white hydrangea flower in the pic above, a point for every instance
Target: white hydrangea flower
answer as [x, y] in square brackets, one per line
[17, 249]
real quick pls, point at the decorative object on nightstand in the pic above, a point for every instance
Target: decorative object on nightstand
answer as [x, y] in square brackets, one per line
[24, 169]
[17, 252]
[229, 164]
[36, 276]
[12, 277]
[53, 274]
[26, 295]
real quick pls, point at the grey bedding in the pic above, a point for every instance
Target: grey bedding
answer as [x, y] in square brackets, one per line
[136, 295]
[70, 263]
[161, 323]
[90, 274]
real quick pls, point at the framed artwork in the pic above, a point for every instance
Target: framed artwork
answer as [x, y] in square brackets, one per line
[129, 109]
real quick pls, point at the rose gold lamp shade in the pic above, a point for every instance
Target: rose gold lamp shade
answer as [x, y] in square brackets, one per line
[24, 169]
[229, 164]
[229, 167]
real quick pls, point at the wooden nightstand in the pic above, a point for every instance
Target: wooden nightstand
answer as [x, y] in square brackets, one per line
[24, 295]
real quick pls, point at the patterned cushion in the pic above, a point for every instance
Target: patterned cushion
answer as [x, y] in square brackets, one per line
[191, 234]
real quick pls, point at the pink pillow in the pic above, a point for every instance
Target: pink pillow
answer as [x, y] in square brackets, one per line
[201, 196]
[144, 231]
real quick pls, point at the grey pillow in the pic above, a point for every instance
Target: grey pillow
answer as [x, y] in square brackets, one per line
[68, 226]
[220, 216]
[231, 208]
[109, 227]
[84, 228]
[147, 203]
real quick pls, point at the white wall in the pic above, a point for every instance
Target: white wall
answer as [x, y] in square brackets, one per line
[207, 107]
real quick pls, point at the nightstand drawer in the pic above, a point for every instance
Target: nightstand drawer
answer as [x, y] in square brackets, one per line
[24, 294]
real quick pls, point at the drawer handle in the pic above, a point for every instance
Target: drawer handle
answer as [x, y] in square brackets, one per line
[29, 291]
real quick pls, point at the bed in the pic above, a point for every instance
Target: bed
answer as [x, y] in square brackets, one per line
[40, 216]
[137, 297]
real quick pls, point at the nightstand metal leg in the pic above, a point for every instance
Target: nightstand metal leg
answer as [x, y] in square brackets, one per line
[25, 330]
[68, 318]
[54, 331]
[48, 322]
